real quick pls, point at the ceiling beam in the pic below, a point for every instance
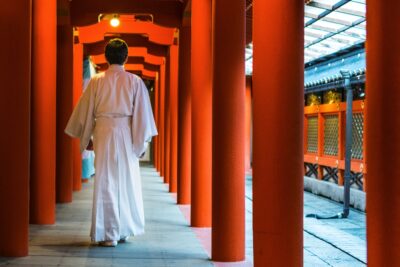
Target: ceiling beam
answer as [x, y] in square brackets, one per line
[334, 33]
[167, 13]
[155, 33]
[326, 12]
[104, 66]
[133, 40]
[97, 50]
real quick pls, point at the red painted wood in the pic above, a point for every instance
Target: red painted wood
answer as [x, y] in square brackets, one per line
[167, 13]
[15, 111]
[334, 161]
[383, 132]
[173, 98]
[136, 44]
[278, 41]
[162, 121]
[184, 117]
[77, 92]
[157, 120]
[43, 117]
[64, 175]
[228, 131]
[156, 33]
[248, 124]
[167, 124]
[201, 85]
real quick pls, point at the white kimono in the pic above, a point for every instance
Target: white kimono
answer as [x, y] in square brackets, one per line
[115, 108]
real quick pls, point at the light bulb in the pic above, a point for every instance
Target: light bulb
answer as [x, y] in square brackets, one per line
[114, 22]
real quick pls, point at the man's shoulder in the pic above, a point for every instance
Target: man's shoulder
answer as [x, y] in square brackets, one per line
[132, 76]
[135, 79]
[98, 76]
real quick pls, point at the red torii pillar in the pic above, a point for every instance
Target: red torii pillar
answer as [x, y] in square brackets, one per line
[14, 138]
[173, 102]
[159, 129]
[184, 115]
[383, 132]
[167, 139]
[201, 85]
[77, 92]
[161, 115]
[248, 124]
[156, 118]
[278, 73]
[228, 192]
[64, 175]
[43, 118]
[158, 137]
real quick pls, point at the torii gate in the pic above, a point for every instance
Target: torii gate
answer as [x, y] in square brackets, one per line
[153, 42]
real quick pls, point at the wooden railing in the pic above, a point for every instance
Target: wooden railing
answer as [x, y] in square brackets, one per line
[324, 142]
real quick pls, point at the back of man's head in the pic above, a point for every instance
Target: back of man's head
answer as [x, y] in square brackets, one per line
[116, 51]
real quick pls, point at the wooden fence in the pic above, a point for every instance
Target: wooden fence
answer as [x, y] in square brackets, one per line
[324, 143]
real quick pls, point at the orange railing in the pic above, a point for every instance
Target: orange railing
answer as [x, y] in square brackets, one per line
[324, 142]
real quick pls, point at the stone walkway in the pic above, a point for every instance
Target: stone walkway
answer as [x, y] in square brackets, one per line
[169, 241]
[335, 242]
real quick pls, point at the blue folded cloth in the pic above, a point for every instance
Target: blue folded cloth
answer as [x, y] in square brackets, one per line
[87, 164]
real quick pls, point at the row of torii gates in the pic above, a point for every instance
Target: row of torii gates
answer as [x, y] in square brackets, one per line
[198, 70]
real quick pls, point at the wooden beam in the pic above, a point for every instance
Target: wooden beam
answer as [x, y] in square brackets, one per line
[167, 13]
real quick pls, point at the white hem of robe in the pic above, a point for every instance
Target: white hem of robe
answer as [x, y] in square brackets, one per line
[117, 199]
[115, 93]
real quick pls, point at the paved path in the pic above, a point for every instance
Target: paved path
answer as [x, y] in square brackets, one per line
[169, 241]
[338, 242]
[334, 242]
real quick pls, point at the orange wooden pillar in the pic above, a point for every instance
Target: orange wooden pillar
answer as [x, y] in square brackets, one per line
[15, 74]
[162, 121]
[228, 192]
[77, 92]
[156, 118]
[167, 124]
[64, 175]
[383, 133]
[173, 100]
[159, 118]
[184, 119]
[248, 125]
[43, 118]
[278, 78]
[201, 85]
[320, 151]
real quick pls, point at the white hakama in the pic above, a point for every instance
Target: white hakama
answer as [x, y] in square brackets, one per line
[116, 110]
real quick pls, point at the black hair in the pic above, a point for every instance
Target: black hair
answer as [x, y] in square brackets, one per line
[116, 51]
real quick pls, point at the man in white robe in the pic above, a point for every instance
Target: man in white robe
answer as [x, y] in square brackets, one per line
[115, 109]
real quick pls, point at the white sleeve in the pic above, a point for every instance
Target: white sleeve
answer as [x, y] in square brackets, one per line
[143, 125]
[81, 122]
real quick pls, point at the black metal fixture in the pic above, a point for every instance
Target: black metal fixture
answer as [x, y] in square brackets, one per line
[347, 161]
